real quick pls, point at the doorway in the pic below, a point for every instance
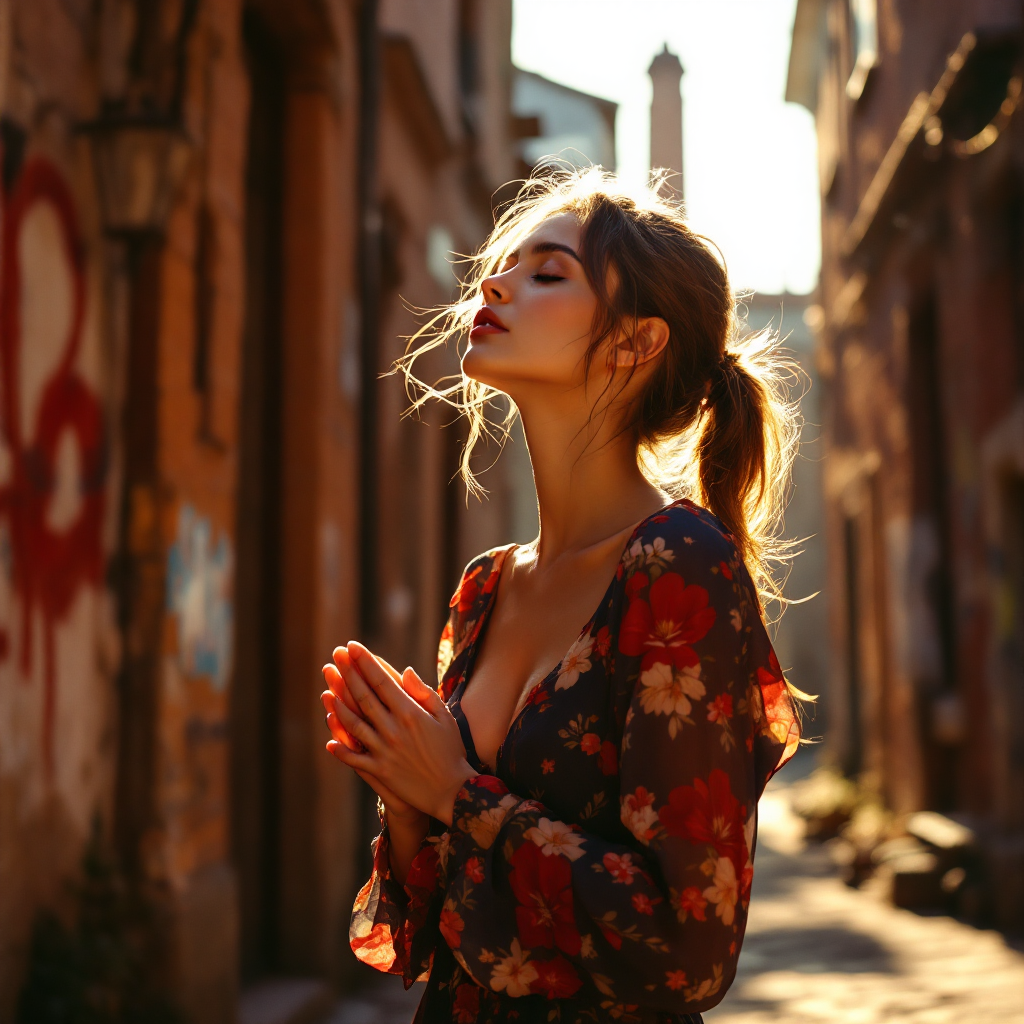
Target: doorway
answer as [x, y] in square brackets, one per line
[256, 746]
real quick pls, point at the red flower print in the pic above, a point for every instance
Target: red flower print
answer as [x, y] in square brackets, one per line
[467, 593]
[726, 571]
[620, 867]
[467, 1004]
[602, 642]
[708, 813]
[642, 903]
[555, 978]
[692, 902]
[638, 814]
[451, 926]
[543, 886]
[608, 759]
[720, 707]
[613, 937]
[779, 720]
[492, 579]
[376, 948]
[491, 783]
[423, 869]
[675, 980]
[746, 880]
[474, 870]
[663, 630]
[547, 766]
[590, 743]
[772, 673]
[635, 584]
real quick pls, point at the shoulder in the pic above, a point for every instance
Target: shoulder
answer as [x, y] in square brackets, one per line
[479, 578]
[466, 608]
[682, 566]
[683, 538]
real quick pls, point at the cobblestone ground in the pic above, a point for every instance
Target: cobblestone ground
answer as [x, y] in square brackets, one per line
[818, 952]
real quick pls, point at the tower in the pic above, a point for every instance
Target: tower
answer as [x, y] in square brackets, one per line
[667, 119]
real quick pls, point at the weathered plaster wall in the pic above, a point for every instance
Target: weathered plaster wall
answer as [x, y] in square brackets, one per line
[59, 372]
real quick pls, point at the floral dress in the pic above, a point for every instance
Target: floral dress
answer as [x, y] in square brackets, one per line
[601, 870]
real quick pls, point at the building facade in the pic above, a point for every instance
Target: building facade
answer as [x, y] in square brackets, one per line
[921, 351]
[217, 217]
[557, 121]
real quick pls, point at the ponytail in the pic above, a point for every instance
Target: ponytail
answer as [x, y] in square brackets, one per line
[739, 452]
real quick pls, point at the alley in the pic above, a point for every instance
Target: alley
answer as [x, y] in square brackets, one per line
[818, 952]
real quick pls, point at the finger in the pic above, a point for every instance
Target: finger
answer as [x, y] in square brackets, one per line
[342, 735]
[376, 785]
[337, 685]
[368, 704]
[387, 666]
[341, 655]
[424, 695]
[384, 685]
[360, 762]
[329, 701]
[358, 727]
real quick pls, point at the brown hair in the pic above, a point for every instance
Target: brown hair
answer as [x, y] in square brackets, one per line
[713, 422]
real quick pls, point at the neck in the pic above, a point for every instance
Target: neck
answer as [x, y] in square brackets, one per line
[589, 486]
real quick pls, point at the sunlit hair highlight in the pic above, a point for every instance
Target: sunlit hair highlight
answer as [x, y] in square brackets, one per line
[714, 422]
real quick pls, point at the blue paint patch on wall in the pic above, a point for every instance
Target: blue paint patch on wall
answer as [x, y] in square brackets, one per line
[199, 578]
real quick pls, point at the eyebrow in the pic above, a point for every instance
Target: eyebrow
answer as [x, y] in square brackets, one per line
[542, 247]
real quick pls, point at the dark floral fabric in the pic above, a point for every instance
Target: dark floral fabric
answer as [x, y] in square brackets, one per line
[601, 870]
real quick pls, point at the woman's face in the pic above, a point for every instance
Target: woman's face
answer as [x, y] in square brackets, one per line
[534, 326]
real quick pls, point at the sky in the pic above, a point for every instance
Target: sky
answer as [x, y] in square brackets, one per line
[750, 164]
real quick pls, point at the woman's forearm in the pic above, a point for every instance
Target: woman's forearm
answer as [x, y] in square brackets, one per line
[406, 835]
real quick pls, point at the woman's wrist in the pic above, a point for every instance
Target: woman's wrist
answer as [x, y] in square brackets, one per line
[446, 803]
[412, 820]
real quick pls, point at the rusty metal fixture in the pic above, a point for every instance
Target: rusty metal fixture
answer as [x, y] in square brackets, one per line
[139, 165]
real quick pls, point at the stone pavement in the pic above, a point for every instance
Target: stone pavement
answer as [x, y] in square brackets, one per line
[818, 952]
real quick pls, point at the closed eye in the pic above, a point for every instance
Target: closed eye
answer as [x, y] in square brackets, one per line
[547, 278]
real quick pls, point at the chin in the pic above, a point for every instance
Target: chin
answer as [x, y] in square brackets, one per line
[484, 367]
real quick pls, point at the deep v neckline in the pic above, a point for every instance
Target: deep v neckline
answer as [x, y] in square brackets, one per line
[485, 619]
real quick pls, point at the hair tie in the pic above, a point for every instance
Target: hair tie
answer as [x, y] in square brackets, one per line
[717, 384]
[728, 362]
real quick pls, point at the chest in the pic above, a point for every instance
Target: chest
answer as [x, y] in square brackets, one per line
[528, 634]
[563, 749]
[564, 743]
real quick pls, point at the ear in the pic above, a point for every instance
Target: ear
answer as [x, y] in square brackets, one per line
[651, 337]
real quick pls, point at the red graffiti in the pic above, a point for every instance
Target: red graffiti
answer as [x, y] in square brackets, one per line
[48, 566]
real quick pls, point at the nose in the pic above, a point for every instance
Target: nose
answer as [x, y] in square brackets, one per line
[495, 289]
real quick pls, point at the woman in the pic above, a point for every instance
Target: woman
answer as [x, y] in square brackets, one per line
[575, 843]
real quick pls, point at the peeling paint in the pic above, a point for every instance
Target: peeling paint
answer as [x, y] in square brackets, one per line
[199, 575]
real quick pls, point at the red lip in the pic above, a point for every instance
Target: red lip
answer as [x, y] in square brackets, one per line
[485, 322]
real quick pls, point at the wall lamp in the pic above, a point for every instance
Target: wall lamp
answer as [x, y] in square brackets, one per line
[139, 163]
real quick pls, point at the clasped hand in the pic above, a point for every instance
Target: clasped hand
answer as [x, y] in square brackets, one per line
[396, 732]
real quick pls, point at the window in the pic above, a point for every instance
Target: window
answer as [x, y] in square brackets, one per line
[863, 30]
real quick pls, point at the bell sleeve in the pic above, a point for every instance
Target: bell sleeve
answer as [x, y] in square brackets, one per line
[534, 905]
[394, 927]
